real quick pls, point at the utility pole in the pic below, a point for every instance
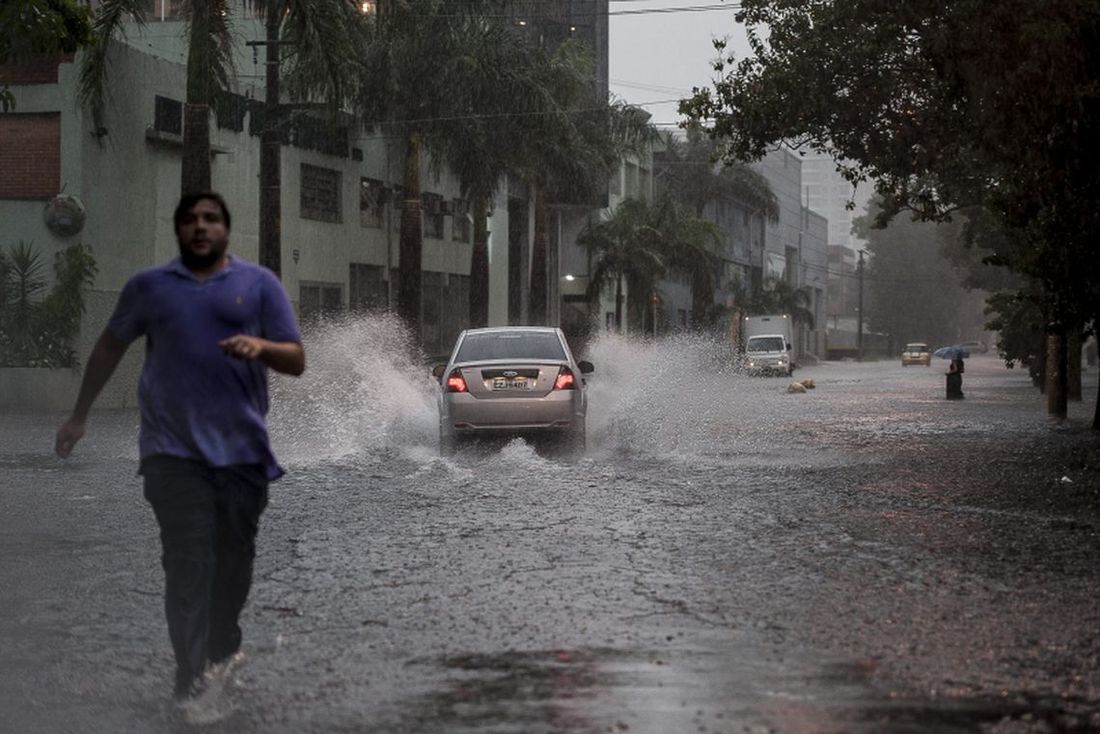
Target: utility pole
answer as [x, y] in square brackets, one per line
[859, 307]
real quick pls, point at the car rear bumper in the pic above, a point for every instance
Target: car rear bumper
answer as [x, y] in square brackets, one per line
[467, 414]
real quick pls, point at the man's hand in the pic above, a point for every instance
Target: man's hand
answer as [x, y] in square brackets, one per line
[243, 346]
[67, 436]
[286, 357]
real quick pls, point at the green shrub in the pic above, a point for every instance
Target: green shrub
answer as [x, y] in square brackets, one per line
[37, 327]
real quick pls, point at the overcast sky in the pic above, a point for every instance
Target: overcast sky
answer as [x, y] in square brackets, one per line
[658, 56]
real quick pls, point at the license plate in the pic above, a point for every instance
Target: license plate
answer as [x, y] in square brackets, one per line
[514, 383]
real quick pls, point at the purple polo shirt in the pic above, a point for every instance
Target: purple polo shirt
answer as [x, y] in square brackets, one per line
[196, 401]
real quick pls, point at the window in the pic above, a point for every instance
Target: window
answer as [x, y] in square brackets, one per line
[461, 222]
[167, 115]
[367, 289]
[30, 155]
[631, 188]
[505, 345]
[231, 111]
[320, 194]
[163, 9]
[444, 310]
[318, 300]
[615, 185]
[433, 215]
[371, 201]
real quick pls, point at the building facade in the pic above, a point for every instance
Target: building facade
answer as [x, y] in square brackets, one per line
[828, 193]
[340, 191]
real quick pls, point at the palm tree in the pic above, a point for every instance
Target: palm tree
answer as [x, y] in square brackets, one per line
[321, 32]
[322, 36]
[479, 144]
[209, 57]
[420, 83]
[565, 150]
[628, 246]
[696, 249]
[567, 153]
[696, 174]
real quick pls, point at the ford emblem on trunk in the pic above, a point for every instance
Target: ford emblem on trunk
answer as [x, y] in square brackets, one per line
[510, 373]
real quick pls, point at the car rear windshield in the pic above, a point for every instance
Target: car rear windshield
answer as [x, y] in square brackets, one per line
[478, 347]
[765, 344]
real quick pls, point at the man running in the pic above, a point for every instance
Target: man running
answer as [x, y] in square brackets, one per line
[213, 325]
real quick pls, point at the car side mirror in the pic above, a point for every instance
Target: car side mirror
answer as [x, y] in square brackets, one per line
[788, 346]
[437, 372]
[586, 367]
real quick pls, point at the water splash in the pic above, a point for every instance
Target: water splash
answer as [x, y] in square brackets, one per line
[684, 395]
[361, 394]
[362, 398]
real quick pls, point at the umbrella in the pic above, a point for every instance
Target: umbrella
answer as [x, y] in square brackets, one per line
[951, 353]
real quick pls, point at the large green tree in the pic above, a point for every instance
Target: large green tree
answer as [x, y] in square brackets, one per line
[915, 292]
[944, 105]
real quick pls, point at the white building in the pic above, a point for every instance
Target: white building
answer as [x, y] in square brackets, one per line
[339, 220]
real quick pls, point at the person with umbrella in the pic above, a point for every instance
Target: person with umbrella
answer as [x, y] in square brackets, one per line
[955, 370]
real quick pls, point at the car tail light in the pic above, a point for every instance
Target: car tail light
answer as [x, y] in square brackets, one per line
[565, 380]
[456, 383]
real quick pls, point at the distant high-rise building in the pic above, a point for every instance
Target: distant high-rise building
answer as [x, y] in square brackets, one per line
[551, 22]
[826, 192]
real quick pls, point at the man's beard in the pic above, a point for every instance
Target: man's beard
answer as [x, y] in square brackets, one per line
[194, 261]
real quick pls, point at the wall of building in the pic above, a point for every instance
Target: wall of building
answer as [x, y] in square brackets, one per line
[783, 171]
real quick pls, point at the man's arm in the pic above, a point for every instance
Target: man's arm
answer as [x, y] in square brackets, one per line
[106, 355]
[286, 357]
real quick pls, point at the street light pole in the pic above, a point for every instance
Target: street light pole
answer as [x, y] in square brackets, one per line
[859, 328]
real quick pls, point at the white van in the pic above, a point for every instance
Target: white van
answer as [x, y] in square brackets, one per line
[768, 348]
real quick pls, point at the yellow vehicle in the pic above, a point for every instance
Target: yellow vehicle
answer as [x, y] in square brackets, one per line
[916, 353]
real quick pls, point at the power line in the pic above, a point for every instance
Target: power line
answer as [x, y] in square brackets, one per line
[565, 17]
[497, 115]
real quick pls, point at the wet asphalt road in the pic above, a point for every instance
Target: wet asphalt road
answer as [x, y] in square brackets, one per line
[727, 557]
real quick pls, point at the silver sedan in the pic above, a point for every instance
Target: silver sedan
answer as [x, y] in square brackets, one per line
[512, 380]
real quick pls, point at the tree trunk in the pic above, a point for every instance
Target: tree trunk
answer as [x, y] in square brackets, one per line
[479, 265]
[1056, 375]
[195, 170]
[1073, 364]
[270, 154]
[538, 287]
[1096, 412]
[619, 304]
[411, 241]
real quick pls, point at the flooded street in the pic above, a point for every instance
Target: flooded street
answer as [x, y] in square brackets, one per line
[726, 557]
